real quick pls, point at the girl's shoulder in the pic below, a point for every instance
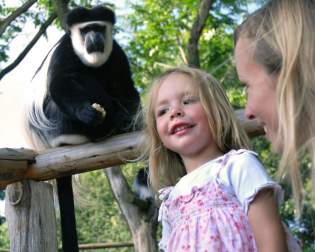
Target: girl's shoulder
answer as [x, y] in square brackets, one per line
[241, 155]
[239, 163]
[245, 175]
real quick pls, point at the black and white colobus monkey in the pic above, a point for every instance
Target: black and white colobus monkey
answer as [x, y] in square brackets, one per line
[88, 95]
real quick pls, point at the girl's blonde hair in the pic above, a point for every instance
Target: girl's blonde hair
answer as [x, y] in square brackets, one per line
[166, 166]
[283, 37]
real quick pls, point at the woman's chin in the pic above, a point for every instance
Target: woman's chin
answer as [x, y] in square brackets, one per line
[276, 146]
[276, 143]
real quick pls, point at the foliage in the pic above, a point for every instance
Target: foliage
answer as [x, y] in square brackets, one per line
[4, 239]
[303, 228]
[160, 36]
[1, 194]
[98, 215]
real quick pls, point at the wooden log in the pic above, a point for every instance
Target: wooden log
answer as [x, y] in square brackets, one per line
[68, 160]
[62, 161]
[30, 215]
[14, 163]
[91, 246]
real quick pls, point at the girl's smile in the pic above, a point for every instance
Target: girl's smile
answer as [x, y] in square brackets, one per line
[181, 128]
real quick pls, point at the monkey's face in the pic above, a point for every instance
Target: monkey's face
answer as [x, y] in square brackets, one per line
[92, 42]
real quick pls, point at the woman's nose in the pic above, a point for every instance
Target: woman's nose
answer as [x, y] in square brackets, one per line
[249, 113]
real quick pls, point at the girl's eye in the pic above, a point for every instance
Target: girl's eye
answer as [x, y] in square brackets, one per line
[161, 112]
[190, 100]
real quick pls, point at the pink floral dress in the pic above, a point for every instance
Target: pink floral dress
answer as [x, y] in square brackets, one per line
[209, 219]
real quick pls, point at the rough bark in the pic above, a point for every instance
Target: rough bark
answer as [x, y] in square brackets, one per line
[30, 215]
[142, 224]
[192, 48]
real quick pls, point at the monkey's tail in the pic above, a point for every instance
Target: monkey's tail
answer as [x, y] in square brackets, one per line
[36, 124]
[67, 214]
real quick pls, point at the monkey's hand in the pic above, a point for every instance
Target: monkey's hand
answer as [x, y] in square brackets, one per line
[92, 114]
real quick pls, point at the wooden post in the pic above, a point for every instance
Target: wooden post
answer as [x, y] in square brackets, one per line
[142, 228]
[30, 214]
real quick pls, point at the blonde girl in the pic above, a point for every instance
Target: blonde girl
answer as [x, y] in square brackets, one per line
[216, 195]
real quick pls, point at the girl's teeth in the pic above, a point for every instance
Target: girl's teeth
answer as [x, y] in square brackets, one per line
[180, 128]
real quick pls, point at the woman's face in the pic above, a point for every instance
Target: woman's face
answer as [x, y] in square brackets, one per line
[260, 90]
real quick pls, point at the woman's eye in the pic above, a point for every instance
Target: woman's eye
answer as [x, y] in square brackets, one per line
[245, 90]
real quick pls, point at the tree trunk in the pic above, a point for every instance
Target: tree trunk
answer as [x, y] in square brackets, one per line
[196, 30]
[141, 223]
[30, 215]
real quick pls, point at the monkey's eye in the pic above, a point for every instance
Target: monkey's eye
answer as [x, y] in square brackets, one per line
[100, 28]
[84, 30]
[93, 28]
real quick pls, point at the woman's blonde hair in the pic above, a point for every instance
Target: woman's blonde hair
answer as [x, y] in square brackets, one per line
[283, 37]
[166, 166]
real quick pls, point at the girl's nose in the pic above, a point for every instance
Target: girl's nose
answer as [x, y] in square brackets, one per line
[176, 112]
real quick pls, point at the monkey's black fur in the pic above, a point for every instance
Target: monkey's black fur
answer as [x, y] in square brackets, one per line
[98, 13]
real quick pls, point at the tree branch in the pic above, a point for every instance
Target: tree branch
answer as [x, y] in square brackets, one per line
[192, 47]
[4, 23]
[143, 229]
[61, 8]
[41, 31]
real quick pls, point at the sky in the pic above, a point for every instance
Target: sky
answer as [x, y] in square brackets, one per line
[13, 85]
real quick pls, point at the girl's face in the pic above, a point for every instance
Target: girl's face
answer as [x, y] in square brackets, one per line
[181, 121]
[260, 91]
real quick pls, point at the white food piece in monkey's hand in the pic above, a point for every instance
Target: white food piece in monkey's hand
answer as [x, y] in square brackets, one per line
[99, 108]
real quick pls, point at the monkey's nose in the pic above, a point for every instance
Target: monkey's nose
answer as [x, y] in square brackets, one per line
[95, 43]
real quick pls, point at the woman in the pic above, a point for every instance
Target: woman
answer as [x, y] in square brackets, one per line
[275, 59]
